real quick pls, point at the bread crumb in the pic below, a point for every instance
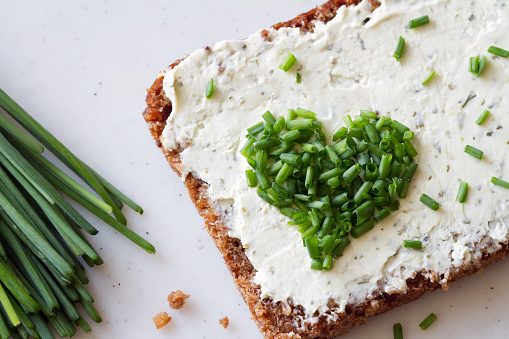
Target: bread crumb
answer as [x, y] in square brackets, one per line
[161, 319]
[224, 322]
[177, 299]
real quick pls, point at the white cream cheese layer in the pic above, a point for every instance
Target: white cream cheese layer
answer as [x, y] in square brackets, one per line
[348, 65]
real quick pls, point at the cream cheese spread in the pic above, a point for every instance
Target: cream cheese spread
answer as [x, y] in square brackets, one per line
[348, 65]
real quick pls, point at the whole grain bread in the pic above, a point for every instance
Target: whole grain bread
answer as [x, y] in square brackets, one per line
[286, 320]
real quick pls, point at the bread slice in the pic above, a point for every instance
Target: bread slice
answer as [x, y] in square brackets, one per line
[279, 319]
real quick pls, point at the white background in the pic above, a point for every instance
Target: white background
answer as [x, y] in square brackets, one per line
[82, 69]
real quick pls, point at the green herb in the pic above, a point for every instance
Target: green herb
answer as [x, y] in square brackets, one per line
[42, 233]
[462, 192]
[397, 330]
[428, 77]
[471, 150]
[209, 89]
[482, 117]
[330, 191]
[399, 48]
[423, 20]
[500, 182]
[498, 51]
[288, 62]
[430, 319]
[473, 64]
[482, 63]
[426, 200]
[298, 78]
[416, 244]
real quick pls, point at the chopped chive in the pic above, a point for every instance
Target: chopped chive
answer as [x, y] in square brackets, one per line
[352, 173]
[304, 113]
[368, 114]
[482, 63]
[498, 51]
[382, 214]
[262, 179]
[462, 192]
[255, 129]
[399, 48]
[482, 117]
[288, 62]
[426, 200]
[423, 20]
[473, 64]
[359, 230]
[500, 182]
[251, 178]
[300, 124]
[416, 244]
[327, 262]
[397, 330]
[298, 78]
[210, 89]
[471, 150]
[430, 319]
[428, 77]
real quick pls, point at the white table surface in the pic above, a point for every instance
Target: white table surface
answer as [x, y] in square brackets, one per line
[82, 68]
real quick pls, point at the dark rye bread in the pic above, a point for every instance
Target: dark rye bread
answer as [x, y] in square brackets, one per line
[277, 319]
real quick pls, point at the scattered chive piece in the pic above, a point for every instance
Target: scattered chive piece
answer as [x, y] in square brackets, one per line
[428, 77]
[500, 182]
[482, 117]
[397, 329]
[210, 89]
[462, 192]
[482, 63]
[416, 244]
[426, 200]
[430, 319]
[473, 64]
[298, 78]
[498, 51]
[423, 20]
[251, 178]
[399, 48]
[476, 153]
[288, 62]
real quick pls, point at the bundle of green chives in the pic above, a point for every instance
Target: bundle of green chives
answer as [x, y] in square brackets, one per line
[330, 192]
[41, 239]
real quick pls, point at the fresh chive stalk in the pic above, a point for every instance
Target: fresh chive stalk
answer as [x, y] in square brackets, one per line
[40, 230]
[482, 63]
[500, 182]
[397, 330]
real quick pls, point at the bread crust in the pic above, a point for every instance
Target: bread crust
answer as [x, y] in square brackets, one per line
[279, 319]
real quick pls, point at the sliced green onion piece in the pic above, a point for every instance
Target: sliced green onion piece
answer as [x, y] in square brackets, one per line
[473, 65]
[399, 48]
[462, 192]
[428, 77]
[288, 62]
[298, 78]
[500, 182]
[423, 20]
[428, 201]
[430, 319]
[482, 117]
[359, 230]
[251, 178]
[471, 150]
[397, 330]
[210, 89]
[482, 63]
[498, 51]
[416, 244]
